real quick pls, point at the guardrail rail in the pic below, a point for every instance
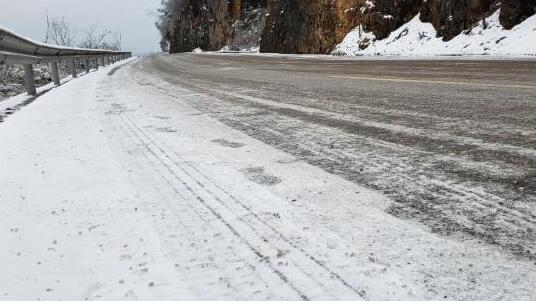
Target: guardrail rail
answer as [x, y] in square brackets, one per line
[18, 50]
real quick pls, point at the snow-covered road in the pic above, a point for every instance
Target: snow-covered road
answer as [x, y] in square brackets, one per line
[113, 187]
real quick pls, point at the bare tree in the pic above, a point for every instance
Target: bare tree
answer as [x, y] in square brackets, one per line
[95, 38]
[59, 32]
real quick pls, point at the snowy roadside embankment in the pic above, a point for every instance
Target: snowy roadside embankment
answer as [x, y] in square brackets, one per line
[11, 105]
[416, 38]
[12, 95]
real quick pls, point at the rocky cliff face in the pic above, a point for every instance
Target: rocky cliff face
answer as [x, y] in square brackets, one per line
[514, 12]
[214, 24]
[248, 25]
[316, 26]
[201, 23]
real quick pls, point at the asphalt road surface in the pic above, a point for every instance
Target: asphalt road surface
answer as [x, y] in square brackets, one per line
[451, 142]
[247, 177]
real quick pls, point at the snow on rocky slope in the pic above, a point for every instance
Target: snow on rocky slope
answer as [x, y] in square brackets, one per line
[417, 38]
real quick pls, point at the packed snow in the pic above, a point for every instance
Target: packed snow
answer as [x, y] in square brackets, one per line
[417, 38]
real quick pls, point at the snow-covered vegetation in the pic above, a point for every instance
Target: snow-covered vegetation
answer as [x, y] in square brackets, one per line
[417, 38]
[12, 79]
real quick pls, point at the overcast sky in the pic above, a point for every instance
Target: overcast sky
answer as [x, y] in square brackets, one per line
[133, 18]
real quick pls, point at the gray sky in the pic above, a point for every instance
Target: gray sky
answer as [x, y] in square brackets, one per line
[133, 18]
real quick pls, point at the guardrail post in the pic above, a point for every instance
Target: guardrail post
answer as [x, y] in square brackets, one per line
[74, 73]
[53, 66]
[29, 79]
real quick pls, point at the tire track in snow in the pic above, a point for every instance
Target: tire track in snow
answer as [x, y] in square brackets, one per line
[137, 140]
[217, 214]
[472, 208]
[254, 228]
[485, 199]
[243, 206]
[306, 255]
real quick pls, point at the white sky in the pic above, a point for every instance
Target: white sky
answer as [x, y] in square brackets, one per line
[134, 21]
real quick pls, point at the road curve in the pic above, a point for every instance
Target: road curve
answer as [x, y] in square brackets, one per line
[451, 142]
[127, 183]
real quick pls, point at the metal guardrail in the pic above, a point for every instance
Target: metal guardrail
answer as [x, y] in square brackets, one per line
[18, 50]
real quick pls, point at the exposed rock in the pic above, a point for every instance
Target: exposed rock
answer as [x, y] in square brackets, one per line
[514, 12]
[316, 26]
[247, 29]
[451, 17]
[213, 24]
[202, 24]
[299, 27]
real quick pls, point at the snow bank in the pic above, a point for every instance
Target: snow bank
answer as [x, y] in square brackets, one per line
[417, 38]
[228, 49]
